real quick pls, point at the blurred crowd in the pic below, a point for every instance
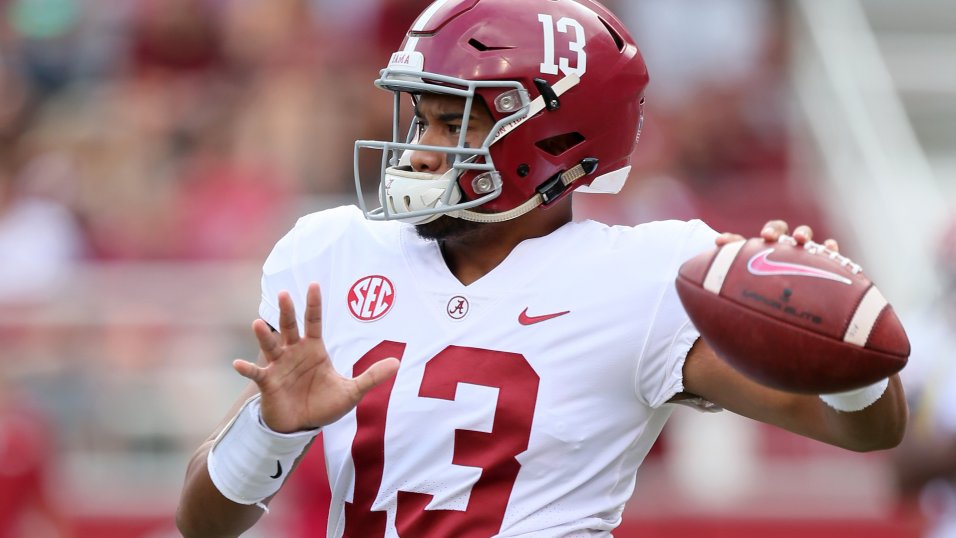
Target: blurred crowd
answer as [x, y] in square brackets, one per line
[925, 463]
[180, 129]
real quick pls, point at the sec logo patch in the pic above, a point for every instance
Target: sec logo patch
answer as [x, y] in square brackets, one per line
[371, 298]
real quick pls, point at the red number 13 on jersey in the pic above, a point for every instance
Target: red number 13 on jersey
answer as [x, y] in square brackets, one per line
[493, 452]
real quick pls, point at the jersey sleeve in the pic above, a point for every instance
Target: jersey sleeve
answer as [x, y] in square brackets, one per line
[278, 275]
[659, 373]
[300, 257]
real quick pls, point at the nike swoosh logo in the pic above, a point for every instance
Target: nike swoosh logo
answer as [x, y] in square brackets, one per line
[278, 470]
[525, 319]
[762, 265]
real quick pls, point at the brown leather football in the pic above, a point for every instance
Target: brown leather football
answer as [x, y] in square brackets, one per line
[796, 318]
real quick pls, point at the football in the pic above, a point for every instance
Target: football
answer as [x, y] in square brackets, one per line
[796, 318]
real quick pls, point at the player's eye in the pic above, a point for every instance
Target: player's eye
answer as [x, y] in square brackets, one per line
[450, 129]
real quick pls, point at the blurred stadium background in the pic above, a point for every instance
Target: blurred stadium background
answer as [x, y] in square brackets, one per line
[151, 151]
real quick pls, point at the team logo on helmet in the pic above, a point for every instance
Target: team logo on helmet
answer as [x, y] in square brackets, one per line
[371, 297]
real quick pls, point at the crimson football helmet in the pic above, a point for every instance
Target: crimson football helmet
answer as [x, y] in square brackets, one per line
[564, 82]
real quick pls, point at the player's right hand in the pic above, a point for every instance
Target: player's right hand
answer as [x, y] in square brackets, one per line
[773, 230]
[300, 388]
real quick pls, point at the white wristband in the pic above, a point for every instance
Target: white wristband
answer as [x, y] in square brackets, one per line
[856, 400]
[248, 461]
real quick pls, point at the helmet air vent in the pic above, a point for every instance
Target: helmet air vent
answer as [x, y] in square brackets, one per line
[618, 40]
[556, 145]
[477, 44]
[481, 47]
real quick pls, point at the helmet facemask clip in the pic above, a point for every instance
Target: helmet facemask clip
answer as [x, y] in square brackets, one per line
[554, 187]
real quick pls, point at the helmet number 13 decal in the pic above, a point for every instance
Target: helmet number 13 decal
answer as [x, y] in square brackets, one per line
[551, 63]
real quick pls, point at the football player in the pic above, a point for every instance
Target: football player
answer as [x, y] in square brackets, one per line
[479, 364]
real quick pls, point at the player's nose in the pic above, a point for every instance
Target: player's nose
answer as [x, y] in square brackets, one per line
[431, 162]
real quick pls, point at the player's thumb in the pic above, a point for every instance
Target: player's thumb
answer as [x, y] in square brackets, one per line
[248, 370]
[376, 374]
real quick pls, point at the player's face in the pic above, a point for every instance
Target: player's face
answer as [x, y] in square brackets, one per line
[440, 121]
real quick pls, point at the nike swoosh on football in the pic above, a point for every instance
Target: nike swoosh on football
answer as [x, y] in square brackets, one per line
[762, 265]
[278, 470]
[525, 319]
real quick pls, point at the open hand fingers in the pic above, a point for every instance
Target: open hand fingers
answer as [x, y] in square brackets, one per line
[288, 327]
[376, 374]
[313, 312]
[249, 371]
[268, 341]
[273, 344]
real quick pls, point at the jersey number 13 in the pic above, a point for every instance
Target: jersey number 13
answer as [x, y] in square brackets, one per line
[493, 452]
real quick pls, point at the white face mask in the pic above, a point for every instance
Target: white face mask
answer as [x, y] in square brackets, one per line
[405, 191]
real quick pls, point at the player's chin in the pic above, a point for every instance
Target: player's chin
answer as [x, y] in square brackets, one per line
[446, 227]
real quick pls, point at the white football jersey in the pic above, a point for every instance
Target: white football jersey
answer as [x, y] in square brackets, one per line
[525, 401]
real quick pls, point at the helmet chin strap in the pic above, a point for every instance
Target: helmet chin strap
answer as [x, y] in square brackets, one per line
[562, 181]
[467, 214]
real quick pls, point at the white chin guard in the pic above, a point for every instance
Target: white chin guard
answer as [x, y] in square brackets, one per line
[407, 191]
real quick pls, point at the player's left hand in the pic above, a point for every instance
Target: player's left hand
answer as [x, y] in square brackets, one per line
[300, 388]
[774, 229]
